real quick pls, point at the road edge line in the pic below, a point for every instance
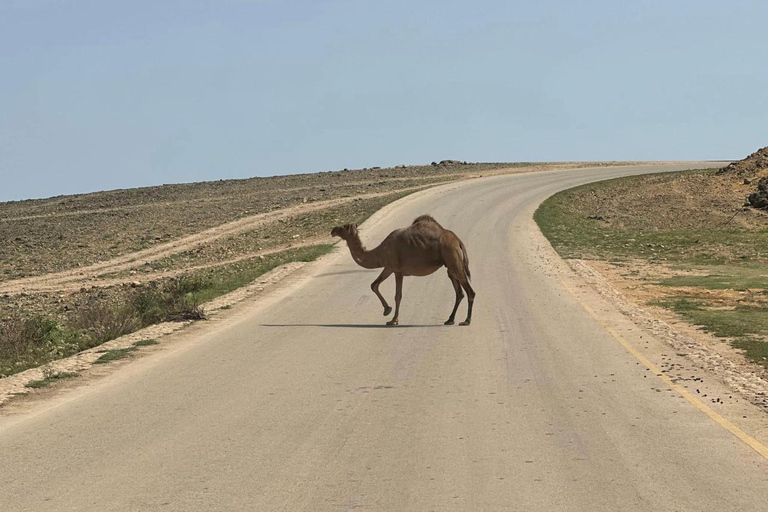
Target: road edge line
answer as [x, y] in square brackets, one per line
[750, 441]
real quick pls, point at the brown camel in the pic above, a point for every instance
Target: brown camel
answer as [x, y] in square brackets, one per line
[418, 250]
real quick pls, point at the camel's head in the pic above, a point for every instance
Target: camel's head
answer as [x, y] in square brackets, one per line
[346, 231]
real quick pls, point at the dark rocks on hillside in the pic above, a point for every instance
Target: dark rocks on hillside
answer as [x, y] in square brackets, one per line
[749, 170]
[760, 198]
[755, 162]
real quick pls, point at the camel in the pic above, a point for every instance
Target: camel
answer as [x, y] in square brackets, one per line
[418, 250]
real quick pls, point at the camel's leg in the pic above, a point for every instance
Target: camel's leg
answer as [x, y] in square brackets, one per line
[398, 296]
[470, 299]
[375, 287]
[459, 297]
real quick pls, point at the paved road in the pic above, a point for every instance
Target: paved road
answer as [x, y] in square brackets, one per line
[311, 404]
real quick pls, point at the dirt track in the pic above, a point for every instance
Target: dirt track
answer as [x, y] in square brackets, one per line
[76, 278]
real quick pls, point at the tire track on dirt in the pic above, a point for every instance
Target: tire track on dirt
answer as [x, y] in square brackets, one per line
[77, 277]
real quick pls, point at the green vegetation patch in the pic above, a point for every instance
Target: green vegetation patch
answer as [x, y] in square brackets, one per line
[618, 220]
[685, 222]
[734, 322]
[208, 284]
[145, 343]
[755, 349]
[50, 378]
[114, 355]
[31, 342]
[746, 326]
[723, 277]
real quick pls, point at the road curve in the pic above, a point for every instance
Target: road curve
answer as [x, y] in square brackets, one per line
[309, 403]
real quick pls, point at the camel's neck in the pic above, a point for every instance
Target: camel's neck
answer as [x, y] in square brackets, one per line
[364, 258]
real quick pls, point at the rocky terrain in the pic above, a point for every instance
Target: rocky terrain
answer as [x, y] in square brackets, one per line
[751, 171]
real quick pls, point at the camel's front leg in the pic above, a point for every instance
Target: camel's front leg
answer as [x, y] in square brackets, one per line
[375, 287]
[398, 296]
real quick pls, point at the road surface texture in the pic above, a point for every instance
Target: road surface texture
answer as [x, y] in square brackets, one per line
[310, 403]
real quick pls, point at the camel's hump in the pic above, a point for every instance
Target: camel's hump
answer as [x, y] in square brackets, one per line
[425, 218]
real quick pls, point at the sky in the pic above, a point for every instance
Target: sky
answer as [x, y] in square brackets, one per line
[99, 95]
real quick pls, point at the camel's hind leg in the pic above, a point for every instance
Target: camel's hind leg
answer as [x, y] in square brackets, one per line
[398, 296]
[454, 257]
[375, 287]
[470, 299]
[459, 297]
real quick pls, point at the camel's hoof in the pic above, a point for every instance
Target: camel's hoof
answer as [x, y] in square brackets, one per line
[464, 323]
[448, 322]
[393, 322]
[387, 310]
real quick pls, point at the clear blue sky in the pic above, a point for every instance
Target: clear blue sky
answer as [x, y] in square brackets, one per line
[104, 94]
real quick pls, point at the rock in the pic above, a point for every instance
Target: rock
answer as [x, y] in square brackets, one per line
[759, 200]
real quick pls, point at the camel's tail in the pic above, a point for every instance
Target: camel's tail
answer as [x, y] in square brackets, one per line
[466, 260]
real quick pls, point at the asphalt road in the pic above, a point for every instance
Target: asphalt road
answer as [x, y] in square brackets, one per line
[310, 403]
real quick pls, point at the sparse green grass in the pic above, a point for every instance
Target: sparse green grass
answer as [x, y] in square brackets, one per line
[755, 349]
[145, 343]
[215, 282]
[680, 304]
[114, 355]
[723, 277]
[579, 237]
[580, 223]
[49, 379]
[734, 322]
[746, 326]
[31, 342]
[607, 221]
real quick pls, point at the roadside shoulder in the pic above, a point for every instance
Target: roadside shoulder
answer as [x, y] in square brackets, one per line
[705, 376]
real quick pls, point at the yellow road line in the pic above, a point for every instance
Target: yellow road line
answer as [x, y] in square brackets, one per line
[727, 425]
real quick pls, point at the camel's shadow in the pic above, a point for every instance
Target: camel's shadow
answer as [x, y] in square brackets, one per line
[342, 272]
[356, 326]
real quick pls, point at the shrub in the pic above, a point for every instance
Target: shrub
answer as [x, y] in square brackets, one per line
[176, 301]
[29, 342]
[103, 321]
